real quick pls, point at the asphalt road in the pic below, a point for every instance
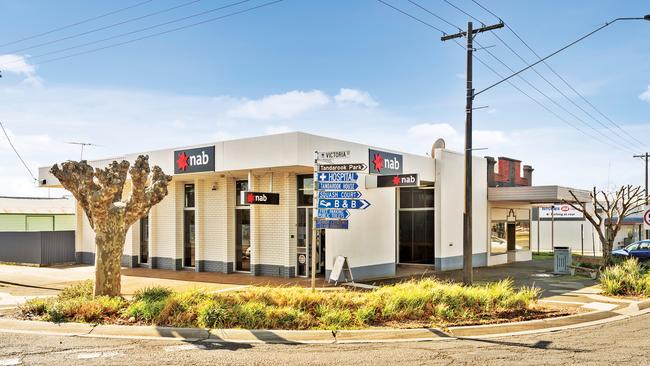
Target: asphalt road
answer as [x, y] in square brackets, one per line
[622, 342]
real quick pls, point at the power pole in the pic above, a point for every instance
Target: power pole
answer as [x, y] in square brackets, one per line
[467, 215]
[645, 157]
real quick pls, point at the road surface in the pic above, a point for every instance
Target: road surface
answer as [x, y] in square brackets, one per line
[622, 342]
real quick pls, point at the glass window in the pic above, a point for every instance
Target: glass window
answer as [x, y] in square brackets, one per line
[305, 190]
[240, 186]
[632, 247]
[189, 195]
[522, 235]
[416, 241]
[644, 245]
[498, 239]
[416, 198]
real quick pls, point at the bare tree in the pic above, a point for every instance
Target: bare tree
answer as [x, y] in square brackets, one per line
[610, 209]
[99, 192]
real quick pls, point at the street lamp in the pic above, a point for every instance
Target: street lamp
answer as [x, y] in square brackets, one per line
[471, 94]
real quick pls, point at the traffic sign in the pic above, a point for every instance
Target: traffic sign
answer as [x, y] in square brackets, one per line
[352, 167]
[337, 177]
[338, 186]
[332, 214]
[332, 224]
[343, 203]
[326, 155]
[646, 218]
[339, 194]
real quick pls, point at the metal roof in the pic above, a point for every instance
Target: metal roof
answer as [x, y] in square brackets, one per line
[536, 194]
[36, 205]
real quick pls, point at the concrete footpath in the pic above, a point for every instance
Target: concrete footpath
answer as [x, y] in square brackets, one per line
[623, 311]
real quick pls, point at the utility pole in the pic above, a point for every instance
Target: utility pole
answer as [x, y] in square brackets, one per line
[645, 157]
[467, 215]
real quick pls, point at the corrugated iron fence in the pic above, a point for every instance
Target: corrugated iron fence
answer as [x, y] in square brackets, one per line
[38, 247]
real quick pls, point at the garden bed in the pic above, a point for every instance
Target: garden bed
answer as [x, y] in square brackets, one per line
[423, 303]
[627, 278]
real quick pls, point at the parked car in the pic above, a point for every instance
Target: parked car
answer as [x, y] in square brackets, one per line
[639, 250]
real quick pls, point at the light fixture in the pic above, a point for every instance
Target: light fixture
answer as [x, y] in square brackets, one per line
[214, 186]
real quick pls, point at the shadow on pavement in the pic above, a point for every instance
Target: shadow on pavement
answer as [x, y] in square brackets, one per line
[545, 345]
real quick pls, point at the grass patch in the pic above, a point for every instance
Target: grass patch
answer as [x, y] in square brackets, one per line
[627, 278]
[542, 255]
[425, 302]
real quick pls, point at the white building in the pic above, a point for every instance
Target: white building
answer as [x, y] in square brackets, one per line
[203, 225]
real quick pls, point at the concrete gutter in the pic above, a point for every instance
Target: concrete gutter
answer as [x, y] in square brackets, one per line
[382, 335]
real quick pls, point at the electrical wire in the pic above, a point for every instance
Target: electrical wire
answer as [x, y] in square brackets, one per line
[75, 24]
[412, 17]
[580, 95]
[105, 27]
[16, 151]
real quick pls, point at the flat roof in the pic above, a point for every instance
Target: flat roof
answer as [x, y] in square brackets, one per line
[36, 205]
[536, 194]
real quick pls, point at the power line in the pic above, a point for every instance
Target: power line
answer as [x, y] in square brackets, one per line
[412, 17]
[16, 151]
[75, 24]
[113, 45]
[509, 82]
[582, 97]
[134, 31]
[551, 84]
[105, 27]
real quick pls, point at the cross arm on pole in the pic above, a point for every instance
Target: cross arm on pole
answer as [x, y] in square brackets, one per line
[486, 28]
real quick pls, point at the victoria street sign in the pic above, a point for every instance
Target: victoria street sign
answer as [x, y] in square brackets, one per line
[260, 198]
[353, 167]
[339, 194]
[332, 224]
[344, 203]
[337, 186]
[400, 180]
[337, 177]
[333, 214]
[326, 155]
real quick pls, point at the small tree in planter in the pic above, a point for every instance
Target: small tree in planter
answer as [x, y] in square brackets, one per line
[99, 193]
[609, 211]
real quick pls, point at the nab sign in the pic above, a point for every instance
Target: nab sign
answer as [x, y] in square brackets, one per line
[200, 159]
[381, 162]
[260, 198]
[400, 180]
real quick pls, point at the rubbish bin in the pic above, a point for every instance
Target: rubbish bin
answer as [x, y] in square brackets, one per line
[561, 260]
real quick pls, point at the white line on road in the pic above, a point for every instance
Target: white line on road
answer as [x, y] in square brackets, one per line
[10, 362]
[91, 355]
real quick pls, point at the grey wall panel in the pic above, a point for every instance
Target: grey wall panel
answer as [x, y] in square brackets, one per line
[42, 248]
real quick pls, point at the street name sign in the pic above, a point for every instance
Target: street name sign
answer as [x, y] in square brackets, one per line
[339, 194]
[327, 155]
[329, 186]
[337, 177]
[260, 198]
[332, 224]
[344, 203]
[333, 214]
[352, 167]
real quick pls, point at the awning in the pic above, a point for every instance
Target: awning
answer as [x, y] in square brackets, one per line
[536, 194]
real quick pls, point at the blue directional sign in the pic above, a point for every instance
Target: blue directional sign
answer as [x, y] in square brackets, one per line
[333, 214]
[337, 176]
[339, 194]
[343, 203]
[332, 224]
[327, 186]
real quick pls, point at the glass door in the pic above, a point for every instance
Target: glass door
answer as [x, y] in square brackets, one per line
[243, 240]
[144, 240]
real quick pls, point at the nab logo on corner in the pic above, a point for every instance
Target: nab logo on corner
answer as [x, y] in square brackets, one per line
[382, 162]
[200, 159]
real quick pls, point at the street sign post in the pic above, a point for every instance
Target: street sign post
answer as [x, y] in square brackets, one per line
[339, 194]
[328, 155]
[332, 214]
[344, 203]
[331, 224]
[337, 186]
[337, 177]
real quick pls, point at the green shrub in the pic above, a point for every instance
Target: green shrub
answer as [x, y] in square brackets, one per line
[35, 307]
[251, 315]
[83, 289]
[152, 294]
[365, 315]
[145, 311]
[334, 318]
[627, 278]
[213, 314]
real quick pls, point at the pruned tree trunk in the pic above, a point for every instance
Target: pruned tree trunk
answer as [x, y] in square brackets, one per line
[100, 193]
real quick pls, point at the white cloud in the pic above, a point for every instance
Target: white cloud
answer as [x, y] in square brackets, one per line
[287, 105]
[16, 64]
[455, 139]
[645, 96]
[355, 96]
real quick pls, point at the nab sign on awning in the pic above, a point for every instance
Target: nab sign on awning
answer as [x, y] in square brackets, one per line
[381, 162]
[399, 180]
[260, 198]
[200, 159]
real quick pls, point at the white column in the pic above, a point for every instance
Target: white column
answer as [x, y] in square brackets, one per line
[253, 227]
[198, 223]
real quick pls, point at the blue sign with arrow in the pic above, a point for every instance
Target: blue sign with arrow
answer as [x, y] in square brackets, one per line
[327, 186]
[339, 194]
[337, 177]
[333, 214]
[343, 203]
[332, 224]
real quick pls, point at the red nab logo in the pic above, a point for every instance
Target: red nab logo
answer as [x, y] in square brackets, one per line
[181, 163]
[396, 180]
[378, 162]
[250, 198]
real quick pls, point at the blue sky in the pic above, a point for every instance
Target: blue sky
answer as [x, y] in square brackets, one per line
[352, 69]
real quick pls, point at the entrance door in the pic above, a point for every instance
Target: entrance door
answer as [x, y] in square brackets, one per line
[512, 236]
[416, 226]
[144, 240]
[243, 240]
[189, 238]
[305, 226]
